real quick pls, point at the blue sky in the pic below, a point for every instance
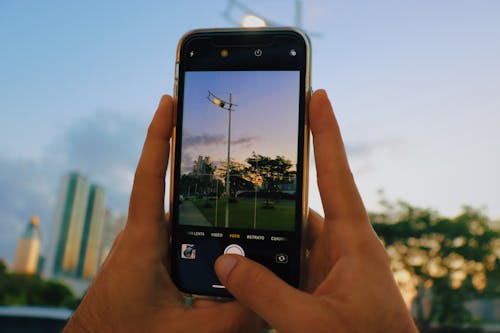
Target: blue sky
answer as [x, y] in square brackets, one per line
[415, 86]
[265, 120]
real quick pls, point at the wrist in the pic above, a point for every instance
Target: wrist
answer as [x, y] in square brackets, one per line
[75, 324]
[410, 327]
[85, 319]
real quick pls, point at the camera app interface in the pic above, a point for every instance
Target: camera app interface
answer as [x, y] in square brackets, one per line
[237, 191]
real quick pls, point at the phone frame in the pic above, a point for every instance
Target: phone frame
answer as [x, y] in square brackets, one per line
[305, 146]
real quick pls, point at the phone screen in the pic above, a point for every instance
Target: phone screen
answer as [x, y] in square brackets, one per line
[239, 155]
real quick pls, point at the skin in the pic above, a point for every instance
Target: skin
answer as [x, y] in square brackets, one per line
[349, 284]
[133, 291]
[349, 287]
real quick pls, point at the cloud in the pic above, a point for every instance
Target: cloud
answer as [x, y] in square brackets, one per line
[187, 161]
[25, 190]
[193, 146]
[203, 139]
[360, 149]
[245, 141]
[105, 146]
[190, 141]
[365, 150]
[363, 156]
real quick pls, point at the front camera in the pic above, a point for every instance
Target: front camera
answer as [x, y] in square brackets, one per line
[257, 52]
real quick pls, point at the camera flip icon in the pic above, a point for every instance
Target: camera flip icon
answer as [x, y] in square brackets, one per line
[281, 258]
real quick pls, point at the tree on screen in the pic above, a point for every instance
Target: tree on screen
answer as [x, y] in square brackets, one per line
[274, 172]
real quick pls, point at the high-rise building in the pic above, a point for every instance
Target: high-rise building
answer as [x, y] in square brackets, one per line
[92, 234]
[202, 166]
[74, 250]
[28, 249]
[67, 229]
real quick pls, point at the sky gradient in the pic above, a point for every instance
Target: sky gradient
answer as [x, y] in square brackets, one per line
[415, 87]
[265, 119]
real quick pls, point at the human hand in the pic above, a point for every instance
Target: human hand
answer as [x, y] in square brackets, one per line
[349, 285]
[133, 291]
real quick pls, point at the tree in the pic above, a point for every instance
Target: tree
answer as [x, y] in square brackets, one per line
[238, 177]
[449, 259]
[201, 179]
[273, 171]
[21, 289]
[3, 268]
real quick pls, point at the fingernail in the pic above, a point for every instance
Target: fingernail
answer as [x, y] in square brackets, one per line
[323, 93]
[163, 99]
[225, 265]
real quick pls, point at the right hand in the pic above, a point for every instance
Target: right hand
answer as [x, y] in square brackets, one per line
[349, 284]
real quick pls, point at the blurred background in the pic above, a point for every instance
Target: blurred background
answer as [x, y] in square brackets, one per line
[415, 87]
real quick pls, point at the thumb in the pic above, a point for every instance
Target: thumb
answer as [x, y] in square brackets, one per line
[259, 289]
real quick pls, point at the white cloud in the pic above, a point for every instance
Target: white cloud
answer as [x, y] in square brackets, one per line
[104, 146]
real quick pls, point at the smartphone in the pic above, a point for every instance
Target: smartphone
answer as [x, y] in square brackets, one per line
[240, 154]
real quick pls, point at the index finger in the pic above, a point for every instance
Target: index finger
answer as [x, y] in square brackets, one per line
[148, 193]
[339, 194]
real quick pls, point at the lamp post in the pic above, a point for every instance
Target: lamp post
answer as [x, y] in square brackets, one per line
[216, 200]
[255, 207]
[228, 106]
[257, 182]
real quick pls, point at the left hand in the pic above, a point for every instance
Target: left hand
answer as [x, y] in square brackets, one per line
[133, 291]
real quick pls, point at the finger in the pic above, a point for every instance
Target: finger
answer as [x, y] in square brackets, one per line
[314, 228]
[259, 289]
[166, 259]
[148, 192]
[113, 247]
[204, 303]
[339, 194]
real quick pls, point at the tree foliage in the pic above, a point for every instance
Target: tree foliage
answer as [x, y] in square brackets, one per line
[273, 171]
[21, 289]
[450, 260]
[238, 177]
[258, 170]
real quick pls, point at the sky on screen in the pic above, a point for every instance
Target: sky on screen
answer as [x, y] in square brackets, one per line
[265, 119]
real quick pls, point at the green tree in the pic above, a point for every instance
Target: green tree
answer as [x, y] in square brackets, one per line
[22, 289]
[3, 268]
[273, 172]
[200, 180]
[238, 177]
[449, 259]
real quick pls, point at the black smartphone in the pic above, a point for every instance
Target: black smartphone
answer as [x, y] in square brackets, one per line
[240, 153]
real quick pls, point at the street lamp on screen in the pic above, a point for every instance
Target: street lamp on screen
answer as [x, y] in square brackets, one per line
[228, 106]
